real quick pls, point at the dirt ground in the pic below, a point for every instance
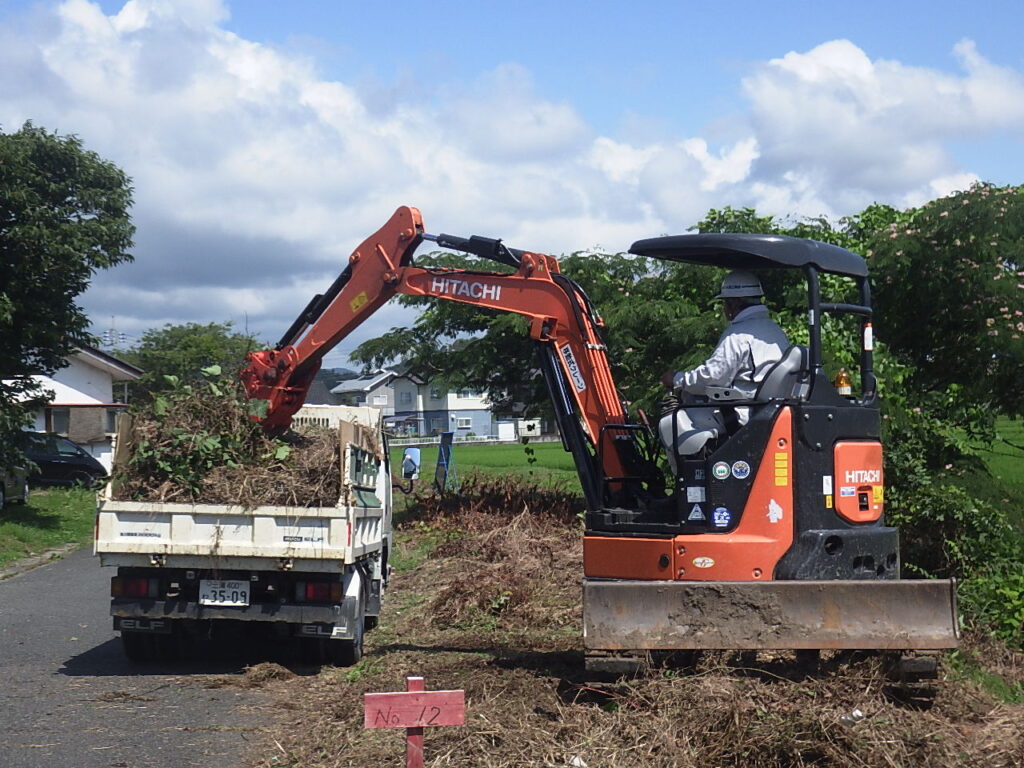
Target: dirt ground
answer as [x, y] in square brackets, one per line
[486, 599]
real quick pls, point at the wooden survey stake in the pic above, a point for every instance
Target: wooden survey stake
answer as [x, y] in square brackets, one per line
[414, 709]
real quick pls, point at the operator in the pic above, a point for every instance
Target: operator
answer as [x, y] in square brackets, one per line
[750, 345]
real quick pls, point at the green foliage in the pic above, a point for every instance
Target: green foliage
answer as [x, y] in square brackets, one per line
[63, 216]
[995, 597]
[950, 295]
[180, 353]
[183, 456]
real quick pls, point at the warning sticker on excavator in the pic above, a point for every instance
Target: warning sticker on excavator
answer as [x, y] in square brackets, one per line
[573, 368]
[358, 302]
[696, 513]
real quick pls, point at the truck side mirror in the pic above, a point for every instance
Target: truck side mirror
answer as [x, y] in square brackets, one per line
[411, 464]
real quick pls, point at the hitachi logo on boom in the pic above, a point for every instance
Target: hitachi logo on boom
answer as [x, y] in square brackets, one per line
[863, 476]
[473, 289]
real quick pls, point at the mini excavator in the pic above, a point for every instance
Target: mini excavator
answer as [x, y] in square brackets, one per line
[773, 538]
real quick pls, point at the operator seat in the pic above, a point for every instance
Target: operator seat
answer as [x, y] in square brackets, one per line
[788, 378]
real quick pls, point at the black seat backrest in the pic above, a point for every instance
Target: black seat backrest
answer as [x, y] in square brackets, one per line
[787, 378]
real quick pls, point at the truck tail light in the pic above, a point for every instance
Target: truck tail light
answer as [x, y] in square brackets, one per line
[129, 587]
[318, 591]
[321, 592]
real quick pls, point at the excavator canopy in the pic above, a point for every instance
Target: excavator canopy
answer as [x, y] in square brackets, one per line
[745, 251]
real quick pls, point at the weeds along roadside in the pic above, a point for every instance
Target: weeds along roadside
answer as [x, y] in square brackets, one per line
[53, 519]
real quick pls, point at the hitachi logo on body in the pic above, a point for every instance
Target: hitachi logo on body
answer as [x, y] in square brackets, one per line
[854, 476]
[473, 289]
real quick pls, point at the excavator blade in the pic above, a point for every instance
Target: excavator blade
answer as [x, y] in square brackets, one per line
[897, 615]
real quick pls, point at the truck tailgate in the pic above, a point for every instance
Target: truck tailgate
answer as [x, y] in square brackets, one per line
[136, 533]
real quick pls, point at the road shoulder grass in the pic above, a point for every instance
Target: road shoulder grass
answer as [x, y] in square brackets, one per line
[52, 520]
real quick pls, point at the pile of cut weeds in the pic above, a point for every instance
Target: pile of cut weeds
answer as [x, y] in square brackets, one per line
[529, 701]
[200, 444]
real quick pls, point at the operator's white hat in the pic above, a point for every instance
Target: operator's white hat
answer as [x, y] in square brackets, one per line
[738, 284]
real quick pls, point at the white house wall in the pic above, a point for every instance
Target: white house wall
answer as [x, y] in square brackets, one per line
[79, 384]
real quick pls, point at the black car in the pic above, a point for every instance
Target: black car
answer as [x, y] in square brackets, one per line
[59, 461]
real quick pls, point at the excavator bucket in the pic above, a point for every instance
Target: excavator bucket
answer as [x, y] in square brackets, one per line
[897, 615]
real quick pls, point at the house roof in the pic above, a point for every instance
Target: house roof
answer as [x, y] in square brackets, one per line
[118, 369]
[364, 383]
[319, 394]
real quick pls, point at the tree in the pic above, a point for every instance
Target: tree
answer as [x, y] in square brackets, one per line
[949, 287]
[182, 351]
[63, 216]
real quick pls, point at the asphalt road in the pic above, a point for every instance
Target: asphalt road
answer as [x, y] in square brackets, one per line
[70, 699]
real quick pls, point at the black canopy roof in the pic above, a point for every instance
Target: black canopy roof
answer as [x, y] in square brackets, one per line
[743, 251]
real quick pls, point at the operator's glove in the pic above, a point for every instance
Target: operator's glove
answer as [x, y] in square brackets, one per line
[668, 404]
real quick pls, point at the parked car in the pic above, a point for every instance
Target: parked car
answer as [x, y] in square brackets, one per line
[13, 486]
[60, 461]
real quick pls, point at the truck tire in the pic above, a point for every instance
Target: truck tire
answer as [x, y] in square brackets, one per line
[346, 653]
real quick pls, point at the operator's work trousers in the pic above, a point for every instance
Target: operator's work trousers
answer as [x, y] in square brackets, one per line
[694, 427]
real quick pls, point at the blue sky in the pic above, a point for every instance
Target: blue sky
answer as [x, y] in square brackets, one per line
[266, 139]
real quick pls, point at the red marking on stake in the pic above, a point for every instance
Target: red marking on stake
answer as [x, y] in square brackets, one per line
[414, 710]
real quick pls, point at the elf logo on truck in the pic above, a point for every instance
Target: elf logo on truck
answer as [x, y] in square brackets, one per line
[446, 286]
[854, 476]
[574, 368]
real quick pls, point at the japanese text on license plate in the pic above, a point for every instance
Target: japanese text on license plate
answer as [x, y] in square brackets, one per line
[220, 592]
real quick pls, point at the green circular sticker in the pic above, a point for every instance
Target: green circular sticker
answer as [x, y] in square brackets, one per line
[721, 470]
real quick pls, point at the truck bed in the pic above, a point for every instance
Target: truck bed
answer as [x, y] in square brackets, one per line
[135, 533]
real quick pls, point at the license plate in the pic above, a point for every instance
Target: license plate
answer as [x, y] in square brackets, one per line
[220, 592]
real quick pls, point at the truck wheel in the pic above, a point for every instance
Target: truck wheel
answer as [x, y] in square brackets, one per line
[345, 653]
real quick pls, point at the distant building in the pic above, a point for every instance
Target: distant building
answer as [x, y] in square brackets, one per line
[368, 389]
[86, 400]
[414, 406]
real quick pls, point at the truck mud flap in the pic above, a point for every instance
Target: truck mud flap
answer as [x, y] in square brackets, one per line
[627, 615]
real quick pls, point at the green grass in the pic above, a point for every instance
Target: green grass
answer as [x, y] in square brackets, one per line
[51, 519]
[1005, 458]
[1005, 461]
[553, 466]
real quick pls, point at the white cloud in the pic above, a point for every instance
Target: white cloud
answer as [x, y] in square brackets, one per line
[859, 130]
[255, 176]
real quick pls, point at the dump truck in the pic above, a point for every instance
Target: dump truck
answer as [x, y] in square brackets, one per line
[313, 576]
[774, 537]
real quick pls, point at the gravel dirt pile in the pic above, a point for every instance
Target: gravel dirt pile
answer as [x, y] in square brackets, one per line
[487, 600]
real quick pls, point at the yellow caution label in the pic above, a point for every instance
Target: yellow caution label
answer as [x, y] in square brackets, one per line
[781, 469]
[828, 501]
[358, 302]
[878, 493]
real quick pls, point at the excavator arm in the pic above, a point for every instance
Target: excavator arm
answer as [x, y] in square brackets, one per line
[590, 414]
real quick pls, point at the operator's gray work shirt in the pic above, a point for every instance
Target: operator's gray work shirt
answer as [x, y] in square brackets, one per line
[749, 346]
